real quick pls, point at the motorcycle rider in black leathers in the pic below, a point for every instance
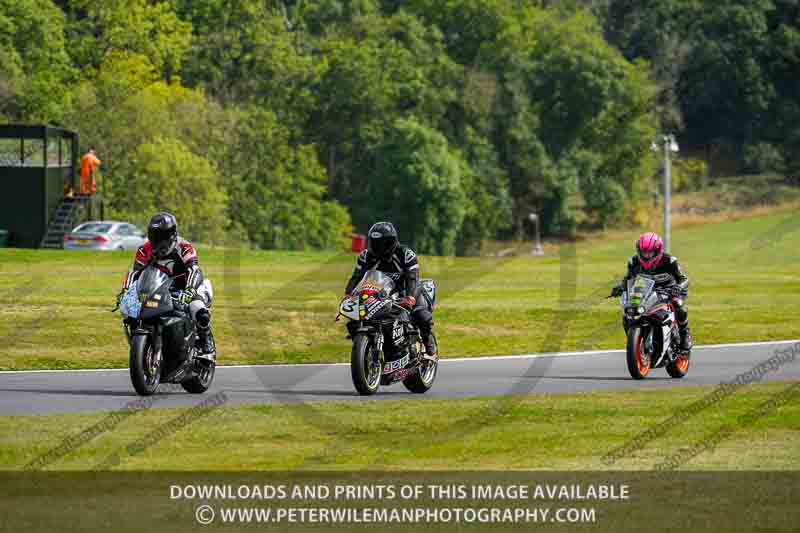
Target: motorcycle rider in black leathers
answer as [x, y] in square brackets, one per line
[651, 259]
[385, 253]
[177, 258]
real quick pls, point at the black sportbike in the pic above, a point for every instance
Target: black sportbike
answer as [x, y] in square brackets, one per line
[162, 337]
[387, 347]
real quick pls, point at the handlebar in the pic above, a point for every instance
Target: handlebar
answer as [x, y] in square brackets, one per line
[672, 290]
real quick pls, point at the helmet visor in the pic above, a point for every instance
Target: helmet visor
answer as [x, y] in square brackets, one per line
[647, 255]
[382, 246]
[161, 240]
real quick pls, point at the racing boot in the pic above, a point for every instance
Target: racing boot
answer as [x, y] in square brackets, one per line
[205, 338]
[430, 345]
[206, 341]
[686, 337]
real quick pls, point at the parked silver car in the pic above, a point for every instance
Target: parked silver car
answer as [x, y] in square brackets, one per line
[104, 235]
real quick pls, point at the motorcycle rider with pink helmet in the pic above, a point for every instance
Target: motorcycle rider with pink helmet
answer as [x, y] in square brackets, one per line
[651, 259]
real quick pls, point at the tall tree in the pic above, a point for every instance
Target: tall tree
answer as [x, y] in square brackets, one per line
[420, 185]
[148, 28]
[35, 69]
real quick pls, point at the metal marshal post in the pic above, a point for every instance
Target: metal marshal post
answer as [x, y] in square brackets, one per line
[669, 145]
[537, 239]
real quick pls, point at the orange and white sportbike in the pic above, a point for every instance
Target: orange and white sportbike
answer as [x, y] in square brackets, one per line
[652, 328]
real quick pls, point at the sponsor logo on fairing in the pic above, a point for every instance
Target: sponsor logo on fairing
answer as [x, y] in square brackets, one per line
[394, 366]
[377, 306]
[403, 374]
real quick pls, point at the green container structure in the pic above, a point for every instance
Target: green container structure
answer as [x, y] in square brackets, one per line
[35, 163]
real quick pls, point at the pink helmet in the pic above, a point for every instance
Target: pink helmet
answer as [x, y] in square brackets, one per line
[650, 249]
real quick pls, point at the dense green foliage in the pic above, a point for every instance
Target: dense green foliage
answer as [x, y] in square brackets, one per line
[284, 122]
[727, 72]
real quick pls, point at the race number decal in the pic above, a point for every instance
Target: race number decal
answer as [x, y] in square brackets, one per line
[349, 308]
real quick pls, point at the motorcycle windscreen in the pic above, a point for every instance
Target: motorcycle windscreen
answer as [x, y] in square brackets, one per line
[376, 281]
[130, 306]
[154, 292]
[639, 289]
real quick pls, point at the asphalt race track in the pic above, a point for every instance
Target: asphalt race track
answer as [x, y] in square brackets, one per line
[41, 392]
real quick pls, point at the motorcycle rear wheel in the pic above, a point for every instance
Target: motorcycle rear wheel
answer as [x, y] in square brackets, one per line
[679, 367]
[366, 377]
[145, 366]
[422, 381]
[638, 360]
[199, 384]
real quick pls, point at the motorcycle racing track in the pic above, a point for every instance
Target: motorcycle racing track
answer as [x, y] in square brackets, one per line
[60, 391]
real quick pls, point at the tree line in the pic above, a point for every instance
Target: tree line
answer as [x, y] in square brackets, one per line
[286, 123]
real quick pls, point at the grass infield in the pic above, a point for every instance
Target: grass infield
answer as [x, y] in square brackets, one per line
[756, 428]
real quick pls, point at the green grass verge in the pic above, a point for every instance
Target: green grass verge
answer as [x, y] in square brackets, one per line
[561, 432]
[279, 307]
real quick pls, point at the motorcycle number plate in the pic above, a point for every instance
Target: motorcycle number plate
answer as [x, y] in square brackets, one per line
[349, 308]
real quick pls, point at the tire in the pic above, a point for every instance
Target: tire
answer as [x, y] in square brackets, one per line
[422, 381]
[359, 369]
[679, 368]
[143, 383]
[200, 384]
[638, 361]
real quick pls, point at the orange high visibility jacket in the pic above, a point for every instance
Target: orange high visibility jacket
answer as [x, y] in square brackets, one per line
[88, 163]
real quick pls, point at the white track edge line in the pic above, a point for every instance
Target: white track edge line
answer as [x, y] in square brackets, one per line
[444, 360]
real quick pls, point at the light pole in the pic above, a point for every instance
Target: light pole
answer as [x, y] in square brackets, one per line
[669, 145]
[537, 241]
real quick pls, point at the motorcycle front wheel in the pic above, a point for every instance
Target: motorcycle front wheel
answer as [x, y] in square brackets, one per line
[637, 357]
[145, 365]
[364, 369]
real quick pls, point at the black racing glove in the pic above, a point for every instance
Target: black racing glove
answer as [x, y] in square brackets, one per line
[188, 295]
[617, 291]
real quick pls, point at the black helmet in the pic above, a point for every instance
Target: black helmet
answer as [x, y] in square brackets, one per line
[162, 232]
[382, 239]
